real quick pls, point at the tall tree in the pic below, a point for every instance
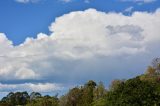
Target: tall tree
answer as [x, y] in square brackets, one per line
[156, 64]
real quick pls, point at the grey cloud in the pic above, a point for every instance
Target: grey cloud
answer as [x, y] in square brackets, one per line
[133, 30]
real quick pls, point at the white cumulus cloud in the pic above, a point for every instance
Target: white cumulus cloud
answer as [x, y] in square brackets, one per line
[84, 45]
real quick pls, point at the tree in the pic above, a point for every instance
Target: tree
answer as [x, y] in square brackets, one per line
[156, 64]
[88, 93]
[115, 84]
[74, 97]
[134, 92]
[79, 96]
[151, 71]
[100, 102]
[35, 95]
[18, 98]
[99, 95]
[63, 100]
[21, 98]
[91, 84]
[100, 91]
[11, 99]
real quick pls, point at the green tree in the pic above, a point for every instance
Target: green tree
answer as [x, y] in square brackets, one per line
[134, 92]
[63, 100]
[115, 84]
[150, 71]
[74, 97]
[100, 91]
[88, 93]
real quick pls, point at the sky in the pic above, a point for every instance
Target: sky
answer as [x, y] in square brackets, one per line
[50, 46]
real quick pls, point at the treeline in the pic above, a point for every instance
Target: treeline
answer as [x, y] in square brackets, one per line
[143, 90]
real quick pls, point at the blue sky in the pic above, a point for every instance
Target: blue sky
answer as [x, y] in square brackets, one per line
[52, 45]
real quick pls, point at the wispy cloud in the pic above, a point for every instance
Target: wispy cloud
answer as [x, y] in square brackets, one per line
[66, 1]
[139, 1]
[27, 1]
[129, 9]
[87, 1]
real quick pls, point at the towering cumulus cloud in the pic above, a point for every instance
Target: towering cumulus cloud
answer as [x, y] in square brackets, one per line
[82, 45]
